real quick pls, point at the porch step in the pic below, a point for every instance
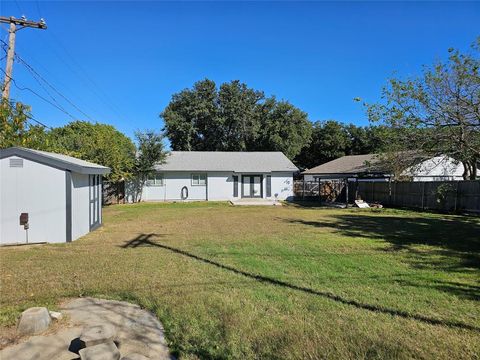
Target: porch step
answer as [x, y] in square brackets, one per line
[255, 202]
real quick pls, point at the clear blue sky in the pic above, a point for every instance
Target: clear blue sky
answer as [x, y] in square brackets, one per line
[120, 62]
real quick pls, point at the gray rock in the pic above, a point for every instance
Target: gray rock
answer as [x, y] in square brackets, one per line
[98, 334]
[34, 321]
[134, 356]
[55, 315]
[105, 351]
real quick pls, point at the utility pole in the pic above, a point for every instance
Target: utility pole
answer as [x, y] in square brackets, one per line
[23, 23]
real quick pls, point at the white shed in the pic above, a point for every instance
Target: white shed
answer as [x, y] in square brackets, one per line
[47, 197]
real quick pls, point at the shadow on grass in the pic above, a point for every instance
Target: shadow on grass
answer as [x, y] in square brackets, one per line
[449, 244]
[465, 291]
[146, 240]
[449, 236]
[314, 204]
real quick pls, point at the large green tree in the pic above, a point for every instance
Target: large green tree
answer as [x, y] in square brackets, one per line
[99, 143]
[332, 139]
[438, 111]
[150, 152]
[234, 117]
[239, 111]
[282, 127]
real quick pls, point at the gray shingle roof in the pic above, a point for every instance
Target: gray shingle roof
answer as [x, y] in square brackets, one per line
[351, 164]
[235, 161]
[56, 160]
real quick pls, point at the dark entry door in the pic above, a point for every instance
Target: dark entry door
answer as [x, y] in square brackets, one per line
[252, 186]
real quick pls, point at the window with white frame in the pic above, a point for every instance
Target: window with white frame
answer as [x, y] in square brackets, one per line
[155, 179]
[199, 179]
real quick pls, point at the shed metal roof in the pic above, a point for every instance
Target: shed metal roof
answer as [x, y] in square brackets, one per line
[236, 161]
[351, 164]
[59, 161]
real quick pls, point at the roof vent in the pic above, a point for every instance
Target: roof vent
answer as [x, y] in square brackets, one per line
[18, 163]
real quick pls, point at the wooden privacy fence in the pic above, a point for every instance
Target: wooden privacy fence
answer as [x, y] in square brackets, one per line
[113, 193]
[432, 195]
[448, 196]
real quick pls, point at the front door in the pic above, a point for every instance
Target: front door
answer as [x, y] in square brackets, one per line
[252, 186]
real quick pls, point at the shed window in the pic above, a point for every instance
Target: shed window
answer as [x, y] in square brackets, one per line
[155, 179]
[199, 179]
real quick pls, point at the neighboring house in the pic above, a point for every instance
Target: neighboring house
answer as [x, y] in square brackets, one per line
[219, 176]
[439, 168]
[349, 167]
[47, 197]
[370, 167]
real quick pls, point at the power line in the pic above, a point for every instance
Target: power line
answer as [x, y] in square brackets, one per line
[12, 30]
[30, 117]
[35, 73]
[73, 65]
[82, 74]
[77, 69]
[18, 7]
[44, 69]
[43, 87]
[37, 76]
[38, 95]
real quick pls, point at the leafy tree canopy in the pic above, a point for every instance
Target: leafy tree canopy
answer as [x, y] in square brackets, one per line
[99, 143]
[150, 152]
[437, 112]
[16, 128]
[332, 139]
[234, 117]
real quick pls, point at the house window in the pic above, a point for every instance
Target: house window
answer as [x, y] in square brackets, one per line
[199, 179]
[155, 179]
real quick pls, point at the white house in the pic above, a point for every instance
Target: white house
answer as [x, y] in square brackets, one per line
[219, 176]
[438, 168]
[47, 197]
[371, 167]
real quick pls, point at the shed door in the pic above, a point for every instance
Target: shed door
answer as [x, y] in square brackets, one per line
[94, 203]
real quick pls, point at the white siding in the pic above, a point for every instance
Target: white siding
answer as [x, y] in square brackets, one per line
[154, 192]
[220, 186]
[80, 205]
[282, 185]
[175, 181]
[38, 190]
[439, 168]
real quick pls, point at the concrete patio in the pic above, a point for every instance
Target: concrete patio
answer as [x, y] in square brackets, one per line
[255, 202]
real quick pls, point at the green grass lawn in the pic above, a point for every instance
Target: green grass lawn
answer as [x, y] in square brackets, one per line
[272, 282]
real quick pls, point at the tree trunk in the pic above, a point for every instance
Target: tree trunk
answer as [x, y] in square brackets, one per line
[139, 184]
[473, 172]
[466, 170]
